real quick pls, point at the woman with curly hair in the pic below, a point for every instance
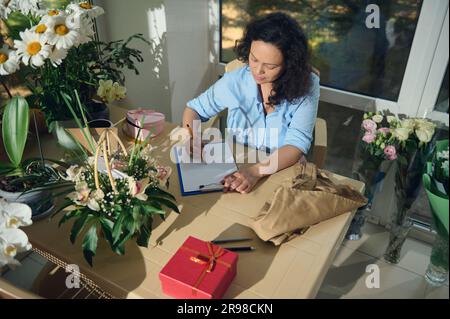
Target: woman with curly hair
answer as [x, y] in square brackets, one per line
[272, 101]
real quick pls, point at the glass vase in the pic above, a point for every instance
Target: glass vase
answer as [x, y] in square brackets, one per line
[437, 271]
[408, 180]
[371, 172]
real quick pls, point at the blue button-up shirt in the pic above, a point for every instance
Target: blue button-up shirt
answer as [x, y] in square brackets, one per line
[291, 123]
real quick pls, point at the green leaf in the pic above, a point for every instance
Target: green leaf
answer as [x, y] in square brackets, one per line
[119, 247]
[145, 233]
[136, 212]
[117, 229]
[130, 224]
[60, 163]
[16, 115]
[16, 23]
[69, 215]
[6, 168]
[166, 202]
[107, 227]
[159, 192]
[64, 205]
[150, 209]
[90, 244]
[78, 226]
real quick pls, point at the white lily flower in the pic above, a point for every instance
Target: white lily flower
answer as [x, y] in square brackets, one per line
[81, 194]
[9, 62]
[74, 173]
[12, 241]
[14, 215]
[137, 188]
[60, 32]
[33, 49]
[110, 91]
[96, 197]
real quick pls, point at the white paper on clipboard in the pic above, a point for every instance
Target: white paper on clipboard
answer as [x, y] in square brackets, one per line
[218, 163]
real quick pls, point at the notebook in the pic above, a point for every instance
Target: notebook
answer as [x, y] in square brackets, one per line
[205, 177]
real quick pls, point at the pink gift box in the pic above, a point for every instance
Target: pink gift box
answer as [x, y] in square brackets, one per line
[198, 270]
[153, 123]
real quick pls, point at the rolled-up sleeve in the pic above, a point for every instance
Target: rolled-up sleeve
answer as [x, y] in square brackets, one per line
[214, 100]
[301, 128]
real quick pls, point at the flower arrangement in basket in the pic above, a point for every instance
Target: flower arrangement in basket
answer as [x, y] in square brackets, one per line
[116, 193]
[50, 46]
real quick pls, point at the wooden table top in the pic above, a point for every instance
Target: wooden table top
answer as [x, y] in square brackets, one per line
[293, 270]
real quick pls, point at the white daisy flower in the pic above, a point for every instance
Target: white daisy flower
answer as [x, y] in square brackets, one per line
[9, 62]
[57, 56]
[86, 32]
[5, 9]
[85, 9]
[60, 33]
[40, 28]
[24, 6]
[33, 49]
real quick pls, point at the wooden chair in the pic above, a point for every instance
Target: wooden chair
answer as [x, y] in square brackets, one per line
[319, 149]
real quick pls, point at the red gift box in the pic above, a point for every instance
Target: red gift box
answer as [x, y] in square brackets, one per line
[198, 270]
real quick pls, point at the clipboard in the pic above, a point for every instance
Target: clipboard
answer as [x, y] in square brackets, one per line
[205, 177]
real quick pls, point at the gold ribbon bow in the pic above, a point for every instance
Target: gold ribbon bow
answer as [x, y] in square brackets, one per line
[210, 260]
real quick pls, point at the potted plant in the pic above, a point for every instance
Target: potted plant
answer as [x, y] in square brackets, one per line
[55, 52]
[18, 176]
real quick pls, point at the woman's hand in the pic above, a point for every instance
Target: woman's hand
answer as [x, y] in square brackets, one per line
[242, 181]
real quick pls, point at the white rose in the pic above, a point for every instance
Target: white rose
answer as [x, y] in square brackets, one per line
[408, 123]
[401, 133]
[424, 135]
[425, 124]
[390, 118]
[377, 118]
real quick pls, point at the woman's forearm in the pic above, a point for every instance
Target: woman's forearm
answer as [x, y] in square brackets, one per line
[189, 116]
[282, 158]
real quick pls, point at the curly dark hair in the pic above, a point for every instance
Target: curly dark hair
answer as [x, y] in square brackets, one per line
[286, 34]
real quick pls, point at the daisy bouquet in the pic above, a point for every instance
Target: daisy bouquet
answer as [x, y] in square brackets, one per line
[52, 46]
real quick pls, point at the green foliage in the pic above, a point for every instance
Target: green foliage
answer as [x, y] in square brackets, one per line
[81, 70]
[15, 129]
